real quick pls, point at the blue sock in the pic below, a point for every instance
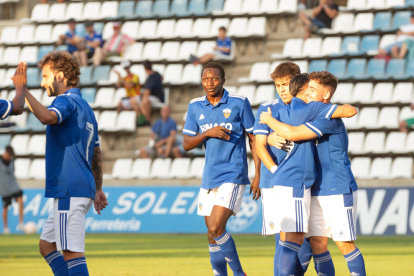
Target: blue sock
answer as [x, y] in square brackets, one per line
[279, 245]
[288, 258]
[305, 256]
[228, 248]
[217, 260]
[78, 267]
[356, 264]
[57, 263]
[323, 264]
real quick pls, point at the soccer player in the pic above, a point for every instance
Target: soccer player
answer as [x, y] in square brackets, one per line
[73, 164]
[295, 175]
[220, 120]
[334, 195]
[281, 77]
[15, 106]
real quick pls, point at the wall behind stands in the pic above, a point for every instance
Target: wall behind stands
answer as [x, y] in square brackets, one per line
[174, 210]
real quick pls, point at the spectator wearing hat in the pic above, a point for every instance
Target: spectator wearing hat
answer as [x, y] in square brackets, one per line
[74, 42]
[117, 44]
[93, 43]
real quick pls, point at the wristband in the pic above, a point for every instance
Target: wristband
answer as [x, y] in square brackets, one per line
[273, 169]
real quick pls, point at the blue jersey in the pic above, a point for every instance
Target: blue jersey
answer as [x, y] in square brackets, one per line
[225, 43]
[226, 161]
[298, 168]
[94, 37]
[163, 129]
[70, 146]
[332, 162]
[263, 129]
[6, 108]
[71, 48]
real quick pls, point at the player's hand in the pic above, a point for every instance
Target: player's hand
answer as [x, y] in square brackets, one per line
[275, 140]
[254, 187]
[100, 201]
[20, 78]
[412, 106]
[218, 132]
[265, 116]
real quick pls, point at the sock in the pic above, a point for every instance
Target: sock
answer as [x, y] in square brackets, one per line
[279, 245]
[57, 263]
[78, 267]
[288, 258]
[217, 260]
[228, 248]
[356, 264]
[323, 264]
[304, 256]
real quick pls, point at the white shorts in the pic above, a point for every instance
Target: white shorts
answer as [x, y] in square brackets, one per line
[334, 217]
[228, 195]
[126, 103]
[285, 209]
[65, 225]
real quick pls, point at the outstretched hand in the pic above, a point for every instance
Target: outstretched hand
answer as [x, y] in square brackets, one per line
[265, 116]
[20, 77]
[100, 201]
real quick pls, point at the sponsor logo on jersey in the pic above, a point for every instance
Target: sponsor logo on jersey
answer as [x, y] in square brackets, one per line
[228, 260]
[201, 117]
[206, 127]
[227, 112]
[200, 206]
[271, 224]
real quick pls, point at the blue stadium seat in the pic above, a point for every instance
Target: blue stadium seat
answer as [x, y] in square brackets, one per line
[86, 75]
[61, 48]
[356, 68]
[162, 8]
[80, 30]
[382, 21]
[370, 43]
[126, 8]
[143, 9]
[33, 77]
[401, 18]
[409, 3]
[396, 68]
[89, 94]
[98, 27]
[317, 65]
[43, 50]
[197, 7]
[376, 68]
[179, 7]
[4, 141]
[350, 45]
[337, 67]
[409, 72]
[101, 73]
[34, 124]
[214, 5]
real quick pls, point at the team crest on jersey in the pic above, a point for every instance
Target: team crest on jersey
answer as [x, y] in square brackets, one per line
[271, 224]
[227, 112]
[200, 206]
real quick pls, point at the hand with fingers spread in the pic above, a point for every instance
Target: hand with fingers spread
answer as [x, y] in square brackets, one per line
[265, 116]
[218, 132]
[100, 201]
[254, 187]
[20, 77]
[275, 140]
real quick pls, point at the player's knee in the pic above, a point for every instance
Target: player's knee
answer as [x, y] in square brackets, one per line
[215, 229]
[319, 245]
[346, 247]
[43, 248]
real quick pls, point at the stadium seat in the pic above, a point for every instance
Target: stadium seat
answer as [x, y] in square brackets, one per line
[382, 21]
[161, 168]
[91, 11]
[37, 145]
[20, 121]
[120, 93]
[344, 22]
[258, 72]
[20, 143]
[402, 167]
[395, 4]
[25, 34]
[187, 48]
[161, 8]
[238, 27]
[230, 7]
[356, 5]
[43, 50]
[387, 40]
[33, 123]
[61, 48]
[104, 97]
[410, 68]
[343, 93]
[179, 8]
[264, 93]
[126, 121]
[356, 142]
[256, 27]
[337, 67]
[382, 92]
[33, 77]
[9, 35]
[42, 33]
[409, 145]
[140, 72]
[148, 29]
[214, 5]
[21, 168]
[380, 168]
[368, 117]
[126, 9]
[400, 19]
[350, 45]
[108, 31]
[11, 55]
[312, 47]
[197, 167]
[318, 65]
[7, 81]
[197, 7]
[39, 11]
[292, 48]
[248, 91]
[396, 68]
[288, 6]
[38, 169]
[74, 10]
[57, 12]
[101, 73]
[356, 68]
[375, 4]
[374, 142]
[143, 9]
[131, 29]
[191, 74]
[58, 30]
[205, 47]
[134, 52]
[172, 74]
[363, 22]
[180, 168]
[166, 28]
[250, 7]
[122, 168]
[360, 167]
[5, 140]
[303, 65]
[152, 50]
[107, 121]
[29, 54]
[183, 28]
[46, 100]
[141, 168]
[369, 44]
[402, 93]
[169, 50]
[395, 142]
[86, 75]
[376, 68]
[409, 3]
[109, 9]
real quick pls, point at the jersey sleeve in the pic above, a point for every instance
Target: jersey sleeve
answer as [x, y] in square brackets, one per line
[320, 111]
[63, 108]
[260, 128]
[247, 117]
[6, 108]
[323, 126]
[191, 127]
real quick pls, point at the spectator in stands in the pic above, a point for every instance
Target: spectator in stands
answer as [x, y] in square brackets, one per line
[323, 14]
[222, 48]
[117, 44]
[153, 91]
[302, 5]
[93, 43]
[9, 188]
[162, 138]
[404, 34]
[74, 42]
[407, 124]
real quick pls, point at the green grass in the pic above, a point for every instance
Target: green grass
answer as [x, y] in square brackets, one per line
[138, 254]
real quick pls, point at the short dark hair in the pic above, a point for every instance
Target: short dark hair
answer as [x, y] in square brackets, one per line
[223, 29]
[324, 78]
[215, 65]
[297, 83]
[285, 69]
[10, 151]
[62, 61]
[88, 23]
[147, 64]
[71, 20]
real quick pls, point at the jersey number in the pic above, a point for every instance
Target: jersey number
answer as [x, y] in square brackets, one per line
[89, 127]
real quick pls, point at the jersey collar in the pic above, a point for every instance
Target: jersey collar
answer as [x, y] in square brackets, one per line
[72, 91]
[297, 101]
[222, 101]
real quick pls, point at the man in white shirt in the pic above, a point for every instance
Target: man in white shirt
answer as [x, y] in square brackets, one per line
[405, 32]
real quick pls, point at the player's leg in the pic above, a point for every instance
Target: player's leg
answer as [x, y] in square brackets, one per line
[206, 58]
[19, 201]
[97, 56]
[168, 146]
[4, 216]
[304, 257]
[135, 105]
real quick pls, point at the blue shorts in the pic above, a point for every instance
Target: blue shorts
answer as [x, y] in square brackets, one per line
[389, 47]
[318, 23]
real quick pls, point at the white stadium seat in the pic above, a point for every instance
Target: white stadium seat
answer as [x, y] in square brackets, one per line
[388, 117]
[169, 50]
[134, 52]
[29, 54]
[331, 45]
[289, 6]
[238, 27]
[7, 81]
[387, 40]
[109, 9]
[122, 168]
[126, 121]
[368, 117]
[25, 34]
[37, 145]
[140, 72]
[205, 47]
[57, 12]
[403, 92]
[231, 89]
[201, 27]
[409, 145]
[91, 11]
[152, 50]
[38, 169]
[160, 68]
[161, 168]
[46, 100]
[351, 123]
[141, 168]
[264, 93]
[268, 6]
[343, 93]
[197, 167]
[42, 33]
[406, 113]
[173, 74]
[187, 48]
[180, 168]
[39, 11]
[107, 121]
[230, 7]
[382, 92]
[191, 74]
[11, 55]
[256, 27]
[20, 143]
[395, 142]
[166, 28]
[402, 167]
[108, 31]
[394, 3]
[292, 47]
[131, 29]
[120, 93]
[104, 97]
[356, 4]
[344, 22]
[183, 28]
[380, 168]
[216, 24]
[258, 72]
[312, 47]
[374, 142]
[363, 22]
[362, 92]
[21, 168]
[361, 167]
[148, 29]
[58, 30]
[74, 10]
[9, 35]
[303, 65]
[356, 142]
[251, 7]
[20, 121]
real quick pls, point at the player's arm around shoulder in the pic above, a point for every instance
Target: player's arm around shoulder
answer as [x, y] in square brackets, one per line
[345, 111]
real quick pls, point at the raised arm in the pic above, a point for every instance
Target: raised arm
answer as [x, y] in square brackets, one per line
[345, 111]
[19, 80]
[100, 201]
[45, 116]
[254, 187]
